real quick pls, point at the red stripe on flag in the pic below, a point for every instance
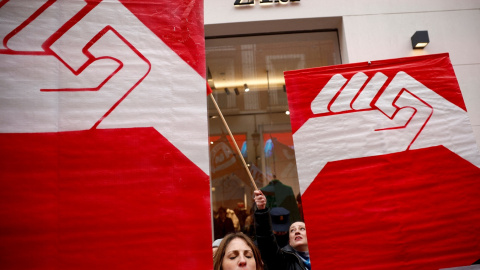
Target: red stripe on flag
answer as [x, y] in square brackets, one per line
[410, 210]
[101, 199]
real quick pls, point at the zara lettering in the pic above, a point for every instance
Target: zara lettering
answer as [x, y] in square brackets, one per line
[252, 2]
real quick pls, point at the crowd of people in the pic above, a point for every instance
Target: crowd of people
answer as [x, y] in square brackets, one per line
[274, 247]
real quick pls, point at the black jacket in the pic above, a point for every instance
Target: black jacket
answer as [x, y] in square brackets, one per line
[273, 256]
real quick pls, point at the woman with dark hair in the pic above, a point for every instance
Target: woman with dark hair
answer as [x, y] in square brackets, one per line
[237, 251]
[293, 256]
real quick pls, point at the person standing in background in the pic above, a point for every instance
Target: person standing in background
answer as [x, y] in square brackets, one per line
[223, 225]
[280, 225]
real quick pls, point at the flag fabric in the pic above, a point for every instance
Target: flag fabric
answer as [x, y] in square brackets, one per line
[209, 89]
[388, 164]
[103, 135]
[223, 159]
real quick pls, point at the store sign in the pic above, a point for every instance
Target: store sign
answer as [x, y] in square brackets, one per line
[262, 2]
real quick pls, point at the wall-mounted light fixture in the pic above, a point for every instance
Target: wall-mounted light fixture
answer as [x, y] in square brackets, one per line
[246, 87]
[236, 91]
[227, 91]
[420, 39]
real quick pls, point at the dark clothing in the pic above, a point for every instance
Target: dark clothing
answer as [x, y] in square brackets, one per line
[282, 240]
[222, 228]
[274, 257]
[280, 195]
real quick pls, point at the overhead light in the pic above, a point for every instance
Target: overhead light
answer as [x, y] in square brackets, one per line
[287, 112]
[227, 91]
[246, 87]
[420, 39]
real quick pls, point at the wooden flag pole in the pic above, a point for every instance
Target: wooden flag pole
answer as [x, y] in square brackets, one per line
[234, 142]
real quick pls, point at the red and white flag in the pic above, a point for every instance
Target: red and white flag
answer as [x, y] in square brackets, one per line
[103, 135]
[387, 163]
[223, 159]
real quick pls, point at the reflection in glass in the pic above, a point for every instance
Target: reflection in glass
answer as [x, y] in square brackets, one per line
[257, 118]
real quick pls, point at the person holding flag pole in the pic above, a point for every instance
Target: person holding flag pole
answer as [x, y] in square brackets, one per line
[293, 256]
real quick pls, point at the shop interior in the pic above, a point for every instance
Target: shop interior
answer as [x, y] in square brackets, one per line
[245, 73]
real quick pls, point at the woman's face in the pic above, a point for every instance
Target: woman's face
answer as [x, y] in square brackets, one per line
[298, 236]
[238, 255]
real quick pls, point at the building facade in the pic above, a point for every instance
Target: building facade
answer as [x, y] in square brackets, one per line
[370, 30]
[342, 32]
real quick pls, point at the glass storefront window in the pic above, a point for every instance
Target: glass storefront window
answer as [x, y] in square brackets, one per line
[246, 76]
